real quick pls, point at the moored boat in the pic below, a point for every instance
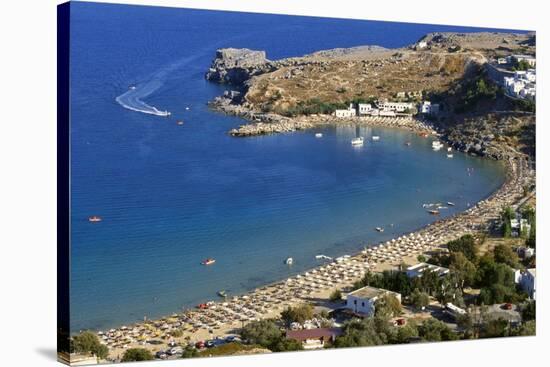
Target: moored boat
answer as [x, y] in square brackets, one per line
[449, 156]
[318, 135]
[222, 293]
[95, 219]
[433, 212]
[375, 137]
[208, 261]
[357, 141]
[379, 229]
[180, 122]
[450, 203]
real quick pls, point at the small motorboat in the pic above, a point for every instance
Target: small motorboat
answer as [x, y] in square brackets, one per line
[357, 141]
[449, 149]
[180, 122]
[375, 137]
[95, 219]
[408, 143]
[289, 261]
[379, 229]
[318, 135]
[433, 212]
[449, 156]
[208, 261]
[450, 203]
[132, 87]
[187, 108]
[222, 293]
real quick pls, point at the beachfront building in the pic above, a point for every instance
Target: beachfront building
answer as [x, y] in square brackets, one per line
[363, 299]
[417, 270]
[364, 109]
[428, 108]
[520, 227]
[348, 112]
[314, 338]
[399, 107]
[526, 281]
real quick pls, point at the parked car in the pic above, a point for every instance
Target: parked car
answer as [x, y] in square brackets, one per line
[200, 345]
[175, 350]
[161, 354]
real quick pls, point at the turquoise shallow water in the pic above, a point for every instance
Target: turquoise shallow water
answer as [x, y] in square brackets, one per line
[173, 195]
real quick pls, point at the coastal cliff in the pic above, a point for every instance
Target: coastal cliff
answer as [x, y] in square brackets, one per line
[236, 66]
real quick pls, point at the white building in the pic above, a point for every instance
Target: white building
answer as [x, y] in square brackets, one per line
[522, 84]
[362, 300]
[526, 280]
[349, 112]
[422, 44]
[427, 108]
[396, 106]
[387, 113]
[418, 269]
[532, 61]
[364, 109]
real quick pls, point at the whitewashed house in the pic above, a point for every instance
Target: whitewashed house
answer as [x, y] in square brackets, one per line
[364, 109]
[428, 108]
[349, 112]
[362, 301]
[396, 106]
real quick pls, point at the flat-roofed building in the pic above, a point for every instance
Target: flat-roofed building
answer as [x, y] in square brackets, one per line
[362, 300]
[420, 268]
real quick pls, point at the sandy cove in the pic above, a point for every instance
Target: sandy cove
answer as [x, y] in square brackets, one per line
[223, 318]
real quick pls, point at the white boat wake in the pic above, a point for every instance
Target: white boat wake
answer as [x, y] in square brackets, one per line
[133, 99]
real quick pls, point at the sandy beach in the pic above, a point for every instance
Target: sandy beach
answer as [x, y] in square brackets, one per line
[225, 317]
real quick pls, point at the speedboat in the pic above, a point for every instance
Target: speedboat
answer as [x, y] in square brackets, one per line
[94, 219]
[449, 156]
[379, 229]
[289, 261]
[180, 122]
[450, 203]
[375, 137]
[132, 87]
[208, 261]
[318, 135]
[357, 141]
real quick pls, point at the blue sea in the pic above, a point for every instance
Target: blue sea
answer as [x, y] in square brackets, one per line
[173, 195]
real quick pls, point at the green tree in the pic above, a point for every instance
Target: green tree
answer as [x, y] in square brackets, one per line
[286, 345]
[88, 342]
[505, 255]
[359, 333]
[528, 328]
[529, 311]
[506, 215]
[264, 332]
[336, 296]
[463, 269]
[435, 330]
[406, 333]
[137, 354]
[190, 352]
[419, 299]
[466, 245]
[299, 314]
[495, 328]
[387, 305]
